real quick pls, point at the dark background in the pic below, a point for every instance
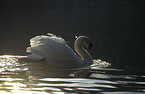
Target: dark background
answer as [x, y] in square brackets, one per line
[117, 28]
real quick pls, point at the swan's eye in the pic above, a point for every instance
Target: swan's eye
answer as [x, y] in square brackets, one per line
[90, 46]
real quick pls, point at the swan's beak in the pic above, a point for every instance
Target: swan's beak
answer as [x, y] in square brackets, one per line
[90, 47]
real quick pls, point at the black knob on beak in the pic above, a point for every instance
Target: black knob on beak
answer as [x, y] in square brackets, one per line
[90, 47]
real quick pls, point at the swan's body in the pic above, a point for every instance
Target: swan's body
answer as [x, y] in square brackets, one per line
[57, 53]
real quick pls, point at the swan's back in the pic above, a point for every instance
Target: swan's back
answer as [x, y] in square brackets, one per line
[49, 38]
[55, 50]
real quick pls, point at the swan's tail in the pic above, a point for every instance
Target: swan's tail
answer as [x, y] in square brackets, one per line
[31, 58]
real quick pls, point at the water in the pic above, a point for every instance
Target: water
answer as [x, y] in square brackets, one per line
[34, 78]
[117, 29]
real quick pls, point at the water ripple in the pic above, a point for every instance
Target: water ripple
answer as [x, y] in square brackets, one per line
[26, 77]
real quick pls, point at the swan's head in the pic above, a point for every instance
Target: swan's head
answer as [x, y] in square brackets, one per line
[86, 41]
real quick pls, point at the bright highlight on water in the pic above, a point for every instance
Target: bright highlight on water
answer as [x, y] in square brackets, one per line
[25, 77]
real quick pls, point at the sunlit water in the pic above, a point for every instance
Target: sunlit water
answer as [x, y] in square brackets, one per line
[38, 78]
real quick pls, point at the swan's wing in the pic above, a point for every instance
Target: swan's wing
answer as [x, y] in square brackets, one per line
[60, 55]
[37, 41]
[55, 51]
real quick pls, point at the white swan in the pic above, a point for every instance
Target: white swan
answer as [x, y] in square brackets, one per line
[57, 53]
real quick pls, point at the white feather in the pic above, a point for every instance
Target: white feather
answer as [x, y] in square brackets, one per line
[55, 50]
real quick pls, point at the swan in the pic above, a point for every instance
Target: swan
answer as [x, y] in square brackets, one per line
[57, 53]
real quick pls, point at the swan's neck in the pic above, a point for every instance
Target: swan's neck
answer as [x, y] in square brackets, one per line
[86, 57]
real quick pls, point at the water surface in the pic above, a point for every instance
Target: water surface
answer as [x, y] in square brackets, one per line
[34, 78]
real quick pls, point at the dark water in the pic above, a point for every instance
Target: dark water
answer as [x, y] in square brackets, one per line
[117, 29]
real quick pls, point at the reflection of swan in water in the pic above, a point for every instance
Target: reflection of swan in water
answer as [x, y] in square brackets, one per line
[42, 70]
[57, 53]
